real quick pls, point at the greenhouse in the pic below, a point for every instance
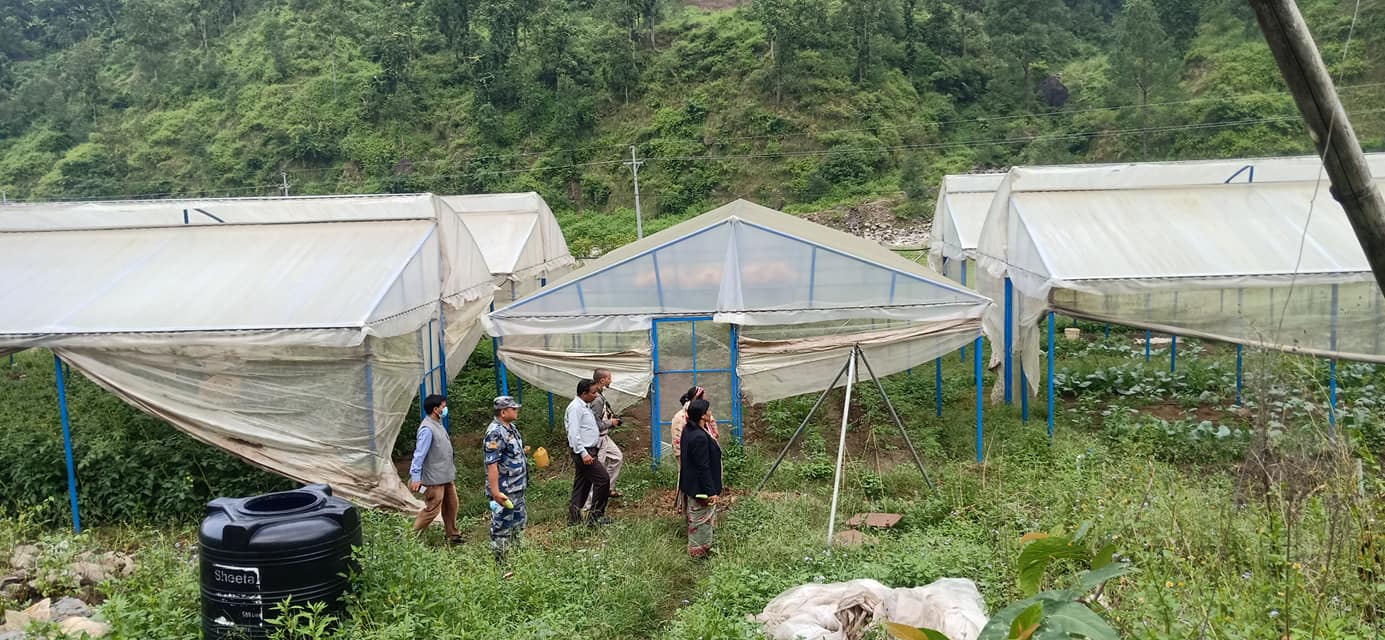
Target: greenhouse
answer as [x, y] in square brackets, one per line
[744, 301]
[1250, 252]
[963, 202]
[291, 332]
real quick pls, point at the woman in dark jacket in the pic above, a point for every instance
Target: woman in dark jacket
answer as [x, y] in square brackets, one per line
[700, 478]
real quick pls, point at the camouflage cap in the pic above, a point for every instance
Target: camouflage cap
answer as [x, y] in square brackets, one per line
[505, 402]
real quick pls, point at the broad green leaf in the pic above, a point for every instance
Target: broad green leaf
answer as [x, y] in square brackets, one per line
[1103, 557]
[1027, 622]
[906, 632]
[1082, 531]
[1088, 580]
[1067, 620]
[1034, 559]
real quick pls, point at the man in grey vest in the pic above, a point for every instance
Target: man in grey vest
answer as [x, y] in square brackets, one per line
[435, 471]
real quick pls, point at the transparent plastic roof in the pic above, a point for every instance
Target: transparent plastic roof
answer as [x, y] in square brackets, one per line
[740, 263]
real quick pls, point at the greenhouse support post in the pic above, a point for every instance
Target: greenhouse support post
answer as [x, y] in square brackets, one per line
[963, 351]
[841, 450]
[1024, 394]
[1009, 343]
[442, 365]
[1240, 349]
[1173, 354]
[370, 397]
[1050, 375]
[1332, 368]
[980, 400]
[938, 386]
[67, 444]
[1240, 368]
[1148, 335]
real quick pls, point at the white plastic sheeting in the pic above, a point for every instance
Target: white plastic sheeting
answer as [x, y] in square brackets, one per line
[841, 610]
[293, 333]
[747, 265]
[963, 202]
[1190, 248]
[520, 240]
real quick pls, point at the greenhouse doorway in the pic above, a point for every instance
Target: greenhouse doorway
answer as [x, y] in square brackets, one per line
[691, 352]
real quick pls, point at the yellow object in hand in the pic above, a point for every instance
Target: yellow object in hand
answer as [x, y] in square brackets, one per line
[509, 504]
[541, 457]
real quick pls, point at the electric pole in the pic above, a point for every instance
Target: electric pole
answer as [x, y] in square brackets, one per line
[1303, 70]
[634, 165]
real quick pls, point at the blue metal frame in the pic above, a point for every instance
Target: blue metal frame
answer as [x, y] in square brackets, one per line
[963, 351]
[656, 421]
[938, 385]
[1009, 341]
[1024, 394]
[980, 403]
[1173, 354]
[67, 444]
[370, 397]
[1332, 369]
[1240, 301]
[1051, 405]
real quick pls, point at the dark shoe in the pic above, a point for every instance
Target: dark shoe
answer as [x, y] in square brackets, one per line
[603, 520]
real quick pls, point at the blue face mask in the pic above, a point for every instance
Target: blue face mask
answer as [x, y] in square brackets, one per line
[444, 412]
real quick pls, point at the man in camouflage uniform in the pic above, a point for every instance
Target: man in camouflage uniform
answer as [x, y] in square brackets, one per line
[507, 475]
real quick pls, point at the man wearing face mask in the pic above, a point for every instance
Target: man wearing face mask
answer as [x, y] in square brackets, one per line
[435, 470]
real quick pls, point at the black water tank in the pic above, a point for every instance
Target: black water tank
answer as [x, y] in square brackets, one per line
[255, 552]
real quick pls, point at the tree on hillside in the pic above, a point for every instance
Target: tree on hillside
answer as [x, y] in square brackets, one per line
[866, 22]
[1029, 34]
[454, 22]
[1142, 60]
[789, 25]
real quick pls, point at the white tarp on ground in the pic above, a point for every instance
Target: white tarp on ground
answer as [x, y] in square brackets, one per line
[292, 333]
[963, 202]
[1191, 248]
[758, 268]
[841, 610]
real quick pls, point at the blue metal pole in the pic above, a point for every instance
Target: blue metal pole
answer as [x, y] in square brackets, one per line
[1024, 395]
[1173, 354]
[550, 411]
[1147, 338]
[1108, 332]
[1240, 303]
[736, 382]
[963, 351]
[655, 415]
[1009, 342]
[67, 444]
[442, 364]
[980, 404]
[938, 385]
[1239, 369]
[1051, 405]
[370, 403]
[1332, 369]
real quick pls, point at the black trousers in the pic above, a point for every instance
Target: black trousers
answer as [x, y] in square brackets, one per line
[589, 478]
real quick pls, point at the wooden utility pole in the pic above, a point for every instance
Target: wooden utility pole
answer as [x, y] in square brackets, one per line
[1308, 80]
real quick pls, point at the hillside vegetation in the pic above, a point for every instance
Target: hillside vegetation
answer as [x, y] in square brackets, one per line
[788, 102]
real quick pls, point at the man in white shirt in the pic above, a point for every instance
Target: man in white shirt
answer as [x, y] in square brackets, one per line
[584, 439]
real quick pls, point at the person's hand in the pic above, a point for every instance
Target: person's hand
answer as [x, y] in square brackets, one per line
[615, 422]
[501, 499]
[711, 499]
[414, 485]
[526, 448]
[586, 459]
